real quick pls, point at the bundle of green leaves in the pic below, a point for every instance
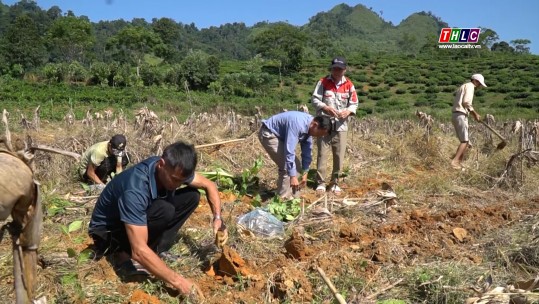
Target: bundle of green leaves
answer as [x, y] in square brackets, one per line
[284, 210]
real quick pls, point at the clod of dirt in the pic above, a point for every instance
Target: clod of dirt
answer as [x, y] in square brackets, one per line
[347, 233]
[291, 284]
[418, 215]
[231, 264]
[140, 297]
[460, 234]
[296, 248]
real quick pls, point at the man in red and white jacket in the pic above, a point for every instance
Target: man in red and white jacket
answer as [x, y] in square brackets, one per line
[334, 96]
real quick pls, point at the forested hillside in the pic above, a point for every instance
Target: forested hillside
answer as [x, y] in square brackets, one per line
[67, 60]
[32, 37]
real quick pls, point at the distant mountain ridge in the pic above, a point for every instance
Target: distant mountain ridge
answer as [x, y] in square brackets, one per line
[359, 28]
[342, 30]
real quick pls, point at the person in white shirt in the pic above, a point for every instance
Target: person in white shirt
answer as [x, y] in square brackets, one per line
[462, 107]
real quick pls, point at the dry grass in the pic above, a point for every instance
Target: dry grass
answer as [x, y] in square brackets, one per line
[383, 247]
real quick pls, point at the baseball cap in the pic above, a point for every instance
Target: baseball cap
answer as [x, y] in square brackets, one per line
[118, 142]
[338, 62]
[479, 78]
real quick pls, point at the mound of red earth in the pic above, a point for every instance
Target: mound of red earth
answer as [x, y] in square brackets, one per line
[140, 297]
[230, 266]
[296, 248]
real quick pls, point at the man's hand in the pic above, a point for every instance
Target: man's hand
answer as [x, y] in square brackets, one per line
[476, 116]
[221, 233]
[344, 114]
[190, 289]
[294, 183]
[331, 111]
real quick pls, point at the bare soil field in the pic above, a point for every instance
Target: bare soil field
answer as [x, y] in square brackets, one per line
[408, 228]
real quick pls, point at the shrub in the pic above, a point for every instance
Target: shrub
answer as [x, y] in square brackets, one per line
[375, 96]
[400, 91]
[392, 105]
[76, 72]
[432, 89]
[99, 73]
[54, 72]
[517, 95]
[479, 93]
[151, 75]
[448, 89]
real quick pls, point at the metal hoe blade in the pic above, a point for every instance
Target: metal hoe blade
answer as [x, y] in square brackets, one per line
[500, 145]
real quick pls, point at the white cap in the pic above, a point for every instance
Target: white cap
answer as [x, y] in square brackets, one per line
[479, 78]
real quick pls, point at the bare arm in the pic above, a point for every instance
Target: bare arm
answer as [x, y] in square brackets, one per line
[90, 171]
[475, 115]
[119, 167]
[212, 193]
[140, 252]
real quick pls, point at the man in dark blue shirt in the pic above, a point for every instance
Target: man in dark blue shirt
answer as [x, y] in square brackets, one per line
[279, 136]
[139, 213]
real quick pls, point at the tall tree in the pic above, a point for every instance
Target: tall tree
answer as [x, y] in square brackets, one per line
[521, 46]
[487, 38]
[199, 70]
[103, 31]
[167, 29]
[22, 44]
[70, 38]
[169, 32]
[284, 43]
[54, 12]
[30, 7]
[131, 43]
[502, 47]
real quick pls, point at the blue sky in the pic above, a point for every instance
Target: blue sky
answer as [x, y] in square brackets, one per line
[511, 19]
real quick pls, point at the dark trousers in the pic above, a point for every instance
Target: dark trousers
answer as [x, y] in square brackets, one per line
[164, 220]
[107, 167]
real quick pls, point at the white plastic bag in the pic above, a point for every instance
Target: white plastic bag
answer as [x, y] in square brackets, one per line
[261, 223]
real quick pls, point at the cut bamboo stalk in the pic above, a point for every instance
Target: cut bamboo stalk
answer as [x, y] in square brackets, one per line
[336, 294]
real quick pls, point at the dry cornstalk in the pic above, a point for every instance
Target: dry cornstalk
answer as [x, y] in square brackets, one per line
[374, 295]
[219, 143]
[318, 200]
[76, 156]
[7, 138]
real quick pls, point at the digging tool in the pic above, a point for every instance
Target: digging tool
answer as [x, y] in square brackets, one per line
[500, 145]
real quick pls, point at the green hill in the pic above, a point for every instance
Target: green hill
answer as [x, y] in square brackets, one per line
[359, 28]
